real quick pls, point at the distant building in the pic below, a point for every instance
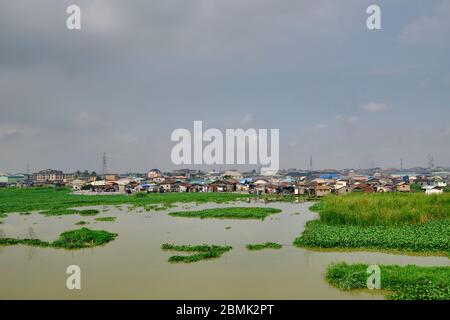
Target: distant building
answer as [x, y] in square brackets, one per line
[50, 175]
[234, 174]
[433, 190]
[111, 177]
[12, 179]
[154, 173]
[403, 187]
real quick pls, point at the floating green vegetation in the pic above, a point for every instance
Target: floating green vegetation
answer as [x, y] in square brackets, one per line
[227, 228]
[106, 219]
[431, 237]
[25, 213]
[150, 207]
[74, 239]
[285, 198]
[261, 246]
[81, 223]
[62, 212]
[402, 282]
[199, 252]
[228, 213]
[29, 199]
[386, 209]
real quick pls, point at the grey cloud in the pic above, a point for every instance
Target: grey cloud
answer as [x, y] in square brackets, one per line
[138, 70]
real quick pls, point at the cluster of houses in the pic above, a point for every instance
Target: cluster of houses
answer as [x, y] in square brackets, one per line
[312, 184]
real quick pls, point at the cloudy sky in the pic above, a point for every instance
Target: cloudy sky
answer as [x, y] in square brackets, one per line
[140, 69]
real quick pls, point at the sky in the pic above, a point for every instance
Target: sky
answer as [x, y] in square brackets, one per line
[138, 70]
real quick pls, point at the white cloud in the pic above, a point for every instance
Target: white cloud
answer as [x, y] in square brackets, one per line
[431, 29]
[86, 120]
[446, 132]
[128, 138]
[375, 107]
[8, 130]
[319, 126]
[247, 118]
[346, 119]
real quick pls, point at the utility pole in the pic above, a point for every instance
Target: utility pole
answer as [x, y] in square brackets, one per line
[401, 164]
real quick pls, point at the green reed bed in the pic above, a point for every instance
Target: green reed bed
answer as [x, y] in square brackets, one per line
[228, 213]
[394, 222]
[81, 223]
[63, 212]
[401, 282]
[106, 219]
[432, 237]
[387, 209]
[198, 252]
[261, 246]
[51, 199]
[73, 239]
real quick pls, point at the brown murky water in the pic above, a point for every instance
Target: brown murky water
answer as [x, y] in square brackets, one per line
[134, 266]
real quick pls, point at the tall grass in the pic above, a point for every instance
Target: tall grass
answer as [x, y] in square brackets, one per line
[392, 209]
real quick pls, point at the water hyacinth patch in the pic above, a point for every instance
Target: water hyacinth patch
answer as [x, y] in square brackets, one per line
[106, 219]
[199, 252]
[432, 237]
[267, 245]
[402, 282]
[73, 239]
[30, 199]
[228, 213]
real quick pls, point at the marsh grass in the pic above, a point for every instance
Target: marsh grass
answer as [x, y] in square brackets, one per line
[228, 213]
[285, 198]
[106, 219]
[81, 223]
[402, 282]
[198, 252]
[63, 212]
[30, 199]
[261, 246]
[73, 239]
[385, 209]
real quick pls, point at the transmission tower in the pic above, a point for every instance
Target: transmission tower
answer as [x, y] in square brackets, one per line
[104, 168]
[430, 162]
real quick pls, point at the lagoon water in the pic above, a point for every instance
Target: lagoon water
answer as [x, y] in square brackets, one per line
[134, 267]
